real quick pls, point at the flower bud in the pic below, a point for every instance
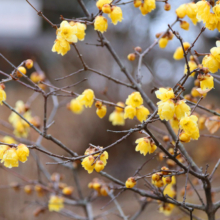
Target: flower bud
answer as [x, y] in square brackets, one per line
[137, 3]
[131, 182]
[131, 57]
[184, 25]
[98, 104]
[22, 70]
[68, 190]
[167, 6]
[138, 49]
[104, 191]
[171, 163]
[166, 138]
[29, 63]
[28, 189]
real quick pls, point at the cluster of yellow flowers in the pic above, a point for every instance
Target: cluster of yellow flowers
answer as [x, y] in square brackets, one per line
[135, 108]
[145, 6]
[165, 39]
[100, 186]
[179, 114]
[159, 179]
[117, 116]
[114, 13]
[130, 182]
[68, 33]
[96, 161]
[55, 203]
[85, 99]
[179, 53]
[11, 155]
[145, 145]
[204, 14]
[190, 10]
[21, 127]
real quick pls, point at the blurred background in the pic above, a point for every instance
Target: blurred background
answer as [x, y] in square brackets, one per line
[24, 35]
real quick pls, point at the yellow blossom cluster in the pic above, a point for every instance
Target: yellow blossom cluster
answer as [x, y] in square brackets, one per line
[145, 6]
[190, 10]
[130, 182]
[96, 161]
[135, 108]
[145, 145]
[117, 116]
[21, 127]
[114, 13]
[179, 53]
[85, 99]
[160, 179]
[55, 203]
[10, 156]
[100, 186]
[204, 14]
[167, 107]
[68, 33]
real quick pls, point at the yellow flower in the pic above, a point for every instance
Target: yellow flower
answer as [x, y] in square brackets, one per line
[106, 8]
[211, 63]
[216, 10]
[179, 54]
[145, 146]
[80, 31]
[215, 51]
[190, 126]
[104, 157]
[67, 32]
[166, 109]
[8, 140]
[61, 47]
[164, 94]
[117, 118]
[101, 112]
[87, 163]
[137, 3]
[211, 21]
[131, 182]
[147, 6]
[184, 137]
[76, 106]
[181, 11]
[134, 99]
[207, 82]
[87, 98]
[22, 152]
[166, 208]
[184, 25]
[163, 42]
[191, 10]
[100, 24]
[3, 149]
[118, 109]
[192, 66]
[174, 122]
[55, 203]
[203, 8]
[99, 166]
[130, 112]
[2, 96]
[182, 109]
[116, 15]
[142, 113]
[10, 158]
[101, 3]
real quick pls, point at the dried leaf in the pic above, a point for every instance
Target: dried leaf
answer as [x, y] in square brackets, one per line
[213, 124]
